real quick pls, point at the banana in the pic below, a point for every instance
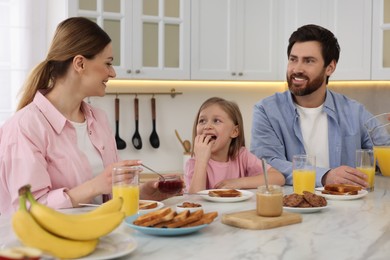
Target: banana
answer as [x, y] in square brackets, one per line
[112, 205]
[72, 226]
[32, 234]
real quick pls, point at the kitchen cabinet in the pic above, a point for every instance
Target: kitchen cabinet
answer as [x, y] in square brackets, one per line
[349, 20]
[247, 40]
[381, 40]
[151, 38]
[234, 39]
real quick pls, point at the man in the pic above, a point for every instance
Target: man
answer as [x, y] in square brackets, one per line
[309, 118]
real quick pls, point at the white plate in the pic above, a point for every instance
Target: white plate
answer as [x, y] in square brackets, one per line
[144, 211]
[113, 245]
[245, 195]
[360, 194]
[305, 210]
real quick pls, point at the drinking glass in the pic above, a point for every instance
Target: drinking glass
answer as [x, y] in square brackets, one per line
[125, 184]
[378, 128]
[304, 173]
[365, 164]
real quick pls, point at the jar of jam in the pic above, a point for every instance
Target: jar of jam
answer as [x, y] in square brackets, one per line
[171, 184]
[269, 203]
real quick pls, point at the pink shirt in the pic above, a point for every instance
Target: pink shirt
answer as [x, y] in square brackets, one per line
[38, 146]
[246, 164]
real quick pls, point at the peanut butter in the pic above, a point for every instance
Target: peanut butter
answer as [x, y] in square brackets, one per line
[269, 203]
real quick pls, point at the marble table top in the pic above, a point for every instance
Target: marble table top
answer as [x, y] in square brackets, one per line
[350, 229]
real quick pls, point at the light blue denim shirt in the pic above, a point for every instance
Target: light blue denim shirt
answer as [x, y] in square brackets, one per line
[277, 136]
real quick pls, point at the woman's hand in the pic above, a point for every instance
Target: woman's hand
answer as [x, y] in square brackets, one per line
[149, 191]
[104, 180]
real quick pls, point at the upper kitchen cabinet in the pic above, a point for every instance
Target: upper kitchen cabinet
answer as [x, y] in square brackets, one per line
[381, 40]
[234, 39]
[349, 20]
[151, 38]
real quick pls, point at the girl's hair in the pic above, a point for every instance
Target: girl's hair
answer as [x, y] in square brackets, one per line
[234, 113]
[73, 36]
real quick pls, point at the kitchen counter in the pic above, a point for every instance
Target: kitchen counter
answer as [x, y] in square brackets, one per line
[353, 229]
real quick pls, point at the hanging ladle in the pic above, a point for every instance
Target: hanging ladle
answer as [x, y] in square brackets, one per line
[120, 143]
[154, 140]
[137, 141]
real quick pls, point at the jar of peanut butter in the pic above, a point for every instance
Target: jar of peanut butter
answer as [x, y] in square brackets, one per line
[269, 203]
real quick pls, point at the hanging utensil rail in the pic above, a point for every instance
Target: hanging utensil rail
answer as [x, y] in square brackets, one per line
[173, 93]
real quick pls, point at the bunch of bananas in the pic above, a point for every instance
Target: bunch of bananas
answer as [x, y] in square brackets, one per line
[64, 235]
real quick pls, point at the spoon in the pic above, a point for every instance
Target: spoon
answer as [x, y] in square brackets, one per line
[154, 140]
[120, 143]
[265, 174]
[150, 169]
[137, 141]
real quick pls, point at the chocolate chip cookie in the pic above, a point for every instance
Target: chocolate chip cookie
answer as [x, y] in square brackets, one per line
[292, 200]
[314, 200]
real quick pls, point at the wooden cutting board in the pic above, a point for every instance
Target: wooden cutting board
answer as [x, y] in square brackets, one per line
[250, 220]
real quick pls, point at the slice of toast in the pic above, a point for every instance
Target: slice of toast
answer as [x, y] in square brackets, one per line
[147, 204]
[225, 193]
[207, 218]
[179, 217]
[195, 216]
[342, 188]
[148, 217]
[330, 192]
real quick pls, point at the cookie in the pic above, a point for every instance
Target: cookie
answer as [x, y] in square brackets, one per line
[314, 200]
[292, 200]
[304, 204]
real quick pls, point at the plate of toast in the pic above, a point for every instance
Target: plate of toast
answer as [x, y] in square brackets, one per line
[146, 206]
[225, 195]
[341, 192]
[167, 222]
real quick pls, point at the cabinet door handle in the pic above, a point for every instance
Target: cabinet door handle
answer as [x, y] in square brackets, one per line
[128, 71]
[137, 71]
[233, 74]
[240, 74]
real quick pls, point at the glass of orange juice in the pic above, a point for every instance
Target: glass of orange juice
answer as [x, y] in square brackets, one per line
[304, 173]
[365, 164]
[378, 128]
[125, 184]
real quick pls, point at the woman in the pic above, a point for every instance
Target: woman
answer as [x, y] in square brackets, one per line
[56, 142]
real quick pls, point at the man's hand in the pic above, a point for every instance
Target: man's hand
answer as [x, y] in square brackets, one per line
[346, 175]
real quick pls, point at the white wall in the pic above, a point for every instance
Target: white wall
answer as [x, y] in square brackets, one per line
[179, 113]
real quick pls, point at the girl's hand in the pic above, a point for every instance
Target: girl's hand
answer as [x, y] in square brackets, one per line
[202, 147]
[228, 184]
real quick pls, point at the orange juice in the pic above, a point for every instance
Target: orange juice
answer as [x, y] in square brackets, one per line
[130, 195]
[304, 180]
[370, 172]
[382, 156]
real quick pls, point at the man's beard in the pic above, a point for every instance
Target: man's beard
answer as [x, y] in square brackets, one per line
[311, 85]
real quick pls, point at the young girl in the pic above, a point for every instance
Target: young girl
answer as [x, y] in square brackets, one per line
[219, 157]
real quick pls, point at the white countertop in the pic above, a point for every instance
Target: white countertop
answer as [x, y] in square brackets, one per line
[353, 229]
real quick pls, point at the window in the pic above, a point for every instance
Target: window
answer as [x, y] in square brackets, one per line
[22, 46]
